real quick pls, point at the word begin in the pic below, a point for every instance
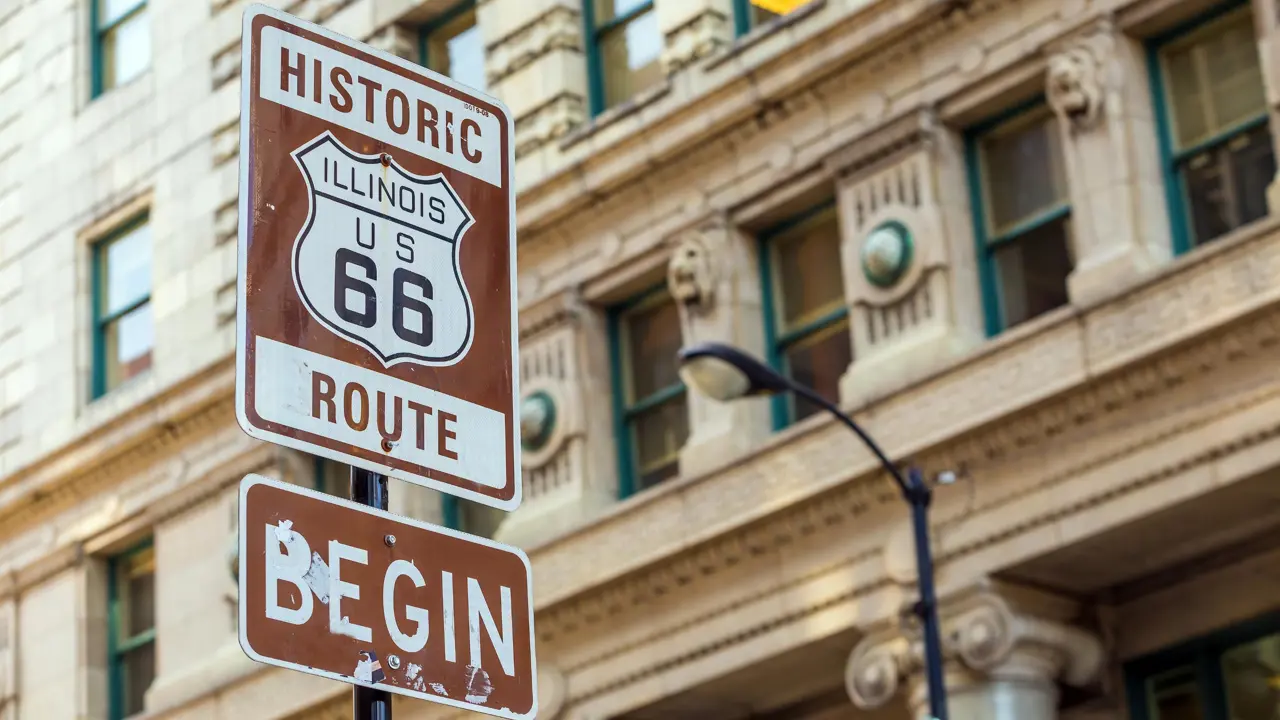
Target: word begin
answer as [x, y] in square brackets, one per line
[289, 560]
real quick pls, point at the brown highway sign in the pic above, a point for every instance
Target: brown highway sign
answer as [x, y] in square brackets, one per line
[359, 595]
[376, 307]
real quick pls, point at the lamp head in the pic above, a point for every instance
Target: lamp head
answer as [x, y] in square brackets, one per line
[725, 373]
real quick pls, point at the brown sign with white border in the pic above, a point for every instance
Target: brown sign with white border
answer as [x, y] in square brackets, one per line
[359, 595]
[376, 315]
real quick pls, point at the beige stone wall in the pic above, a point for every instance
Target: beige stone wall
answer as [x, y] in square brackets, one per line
[1154, 388]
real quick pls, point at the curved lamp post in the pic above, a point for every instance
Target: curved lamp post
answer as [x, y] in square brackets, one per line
[725, 373]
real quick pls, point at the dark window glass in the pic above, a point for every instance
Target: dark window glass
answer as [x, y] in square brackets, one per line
[810, 315]
[133, 630]
[1216, 104]
[123, 323]
[654, 408]
[817, 361]
[1026, 228]
[123, 42]
[628, 47]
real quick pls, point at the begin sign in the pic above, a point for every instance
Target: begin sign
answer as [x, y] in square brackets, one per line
[359, 595]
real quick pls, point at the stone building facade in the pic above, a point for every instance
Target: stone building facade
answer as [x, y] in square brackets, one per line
[1032, 245]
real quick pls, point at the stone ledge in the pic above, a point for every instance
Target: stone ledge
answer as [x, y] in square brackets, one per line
[858, 593]
[1003, 377]
[668, 127]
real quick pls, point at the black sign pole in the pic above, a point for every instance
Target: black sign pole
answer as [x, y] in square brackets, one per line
[370, 488]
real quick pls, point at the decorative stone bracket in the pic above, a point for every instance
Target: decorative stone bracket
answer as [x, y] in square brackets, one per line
[995, 631]
[1079, 78]
[691, 276]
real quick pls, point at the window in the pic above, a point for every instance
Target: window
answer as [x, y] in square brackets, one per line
[652, 417]
[131, 622]
[806, 318]
[624, 50]
[1212, 114]
[121, 42]
[453, 46]
[748, 15]
[1233, 674]
[123, 330]
[1022, 216]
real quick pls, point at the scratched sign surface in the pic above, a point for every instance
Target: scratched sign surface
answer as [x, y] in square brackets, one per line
[376, 254]
[359, 595]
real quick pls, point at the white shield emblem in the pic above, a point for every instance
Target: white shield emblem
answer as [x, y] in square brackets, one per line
[377, 260]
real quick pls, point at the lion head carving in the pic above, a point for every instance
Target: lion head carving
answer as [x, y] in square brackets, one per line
[1074, 87]
[689, 273]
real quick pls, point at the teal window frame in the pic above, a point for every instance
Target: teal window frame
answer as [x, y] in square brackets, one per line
[592, 34]
[97, 64]
[1204, 653]
[1175, 195]
[451, 512]
[434, 26]
[624, 412]
[117, 647]
[985, 246]
[776, 343]
[98, 381]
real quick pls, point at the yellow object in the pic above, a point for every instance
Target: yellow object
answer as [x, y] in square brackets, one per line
[782, 7]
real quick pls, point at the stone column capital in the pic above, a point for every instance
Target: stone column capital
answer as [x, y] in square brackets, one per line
[1005, 630]
[992, 631]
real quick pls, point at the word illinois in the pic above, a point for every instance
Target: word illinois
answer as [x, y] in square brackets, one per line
[360, 180]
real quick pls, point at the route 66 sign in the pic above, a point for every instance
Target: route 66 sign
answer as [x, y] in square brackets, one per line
[375, 231]
[376, 315]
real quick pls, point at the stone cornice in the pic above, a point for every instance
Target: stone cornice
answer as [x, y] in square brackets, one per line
[1066, 368]
[858, 589]
[913, 130]
[787, 117]
[587, 170]
[111, 451]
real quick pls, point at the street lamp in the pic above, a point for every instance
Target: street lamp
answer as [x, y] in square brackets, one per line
[725, 373]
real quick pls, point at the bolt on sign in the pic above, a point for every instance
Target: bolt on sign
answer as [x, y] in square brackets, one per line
[376, 315]
[359, 595]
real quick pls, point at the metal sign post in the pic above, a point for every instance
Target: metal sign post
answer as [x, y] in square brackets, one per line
[371, 489]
